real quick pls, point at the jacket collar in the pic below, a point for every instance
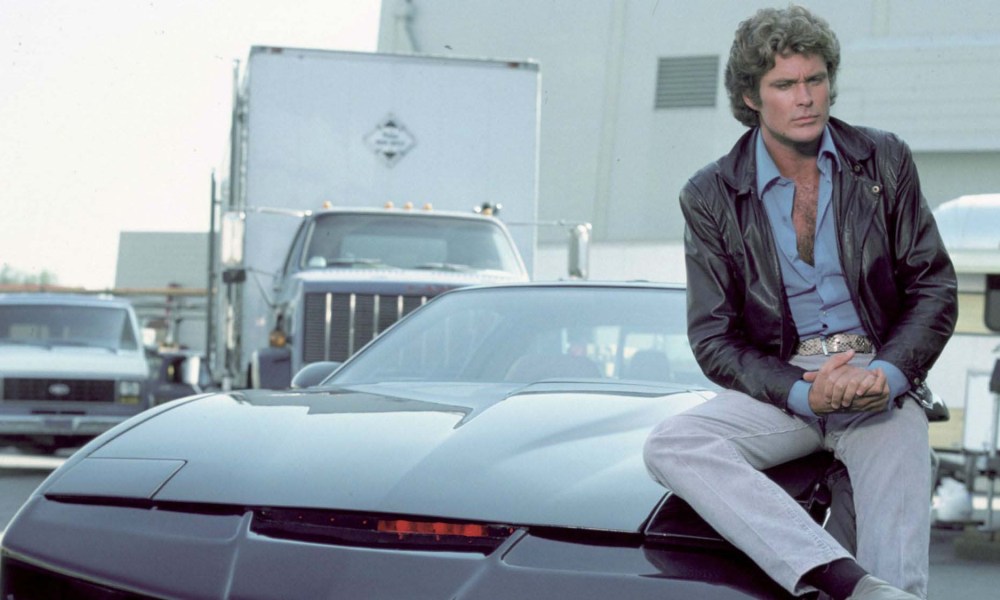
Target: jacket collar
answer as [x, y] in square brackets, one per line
[738, 169]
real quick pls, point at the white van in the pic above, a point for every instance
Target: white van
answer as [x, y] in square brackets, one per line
[71, 367]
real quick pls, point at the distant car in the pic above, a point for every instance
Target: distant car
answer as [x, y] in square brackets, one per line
[486, 446]
[71, 367]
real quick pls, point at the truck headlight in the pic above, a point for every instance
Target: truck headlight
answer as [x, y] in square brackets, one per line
[129, 392]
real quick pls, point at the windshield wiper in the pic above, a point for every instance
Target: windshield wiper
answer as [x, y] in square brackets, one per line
[444, 266]
[352, 262]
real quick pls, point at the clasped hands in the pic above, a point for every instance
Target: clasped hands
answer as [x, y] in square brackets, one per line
[840, 387]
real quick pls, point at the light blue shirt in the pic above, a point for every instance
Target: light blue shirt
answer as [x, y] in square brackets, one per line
[817, 294]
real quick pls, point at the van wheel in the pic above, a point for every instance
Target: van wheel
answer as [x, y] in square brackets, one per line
[38, 448]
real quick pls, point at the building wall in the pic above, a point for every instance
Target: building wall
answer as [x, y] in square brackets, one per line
[148, 259]
[922, 68]
[152, 262]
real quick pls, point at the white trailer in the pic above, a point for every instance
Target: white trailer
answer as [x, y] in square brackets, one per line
[360, 130]
[970, 227]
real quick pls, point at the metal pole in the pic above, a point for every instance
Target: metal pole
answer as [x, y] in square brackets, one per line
[230, 356]
[210, 288]
[991, 455]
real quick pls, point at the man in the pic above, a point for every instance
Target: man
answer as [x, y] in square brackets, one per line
[820, 294]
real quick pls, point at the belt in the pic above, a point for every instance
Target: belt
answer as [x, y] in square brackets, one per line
[838, 342]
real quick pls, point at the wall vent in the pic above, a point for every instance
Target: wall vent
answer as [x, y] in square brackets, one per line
[686, 82]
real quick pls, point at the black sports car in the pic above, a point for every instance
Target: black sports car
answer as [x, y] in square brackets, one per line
[487, 446]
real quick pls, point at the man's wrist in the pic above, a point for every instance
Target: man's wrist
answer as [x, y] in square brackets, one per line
[898, 383]
[798, 400]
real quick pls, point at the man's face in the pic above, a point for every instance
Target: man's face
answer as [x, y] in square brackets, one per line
[794, 101]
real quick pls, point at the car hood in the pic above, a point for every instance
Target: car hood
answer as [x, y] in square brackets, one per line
[70, 361]
[549, 454]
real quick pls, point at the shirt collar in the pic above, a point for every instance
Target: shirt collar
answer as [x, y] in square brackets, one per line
[767, 171]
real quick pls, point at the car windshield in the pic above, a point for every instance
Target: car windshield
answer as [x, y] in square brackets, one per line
[409, 242]
[529, 334]
[52, 325]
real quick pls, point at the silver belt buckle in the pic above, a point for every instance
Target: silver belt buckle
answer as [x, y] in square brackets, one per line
[822, 344]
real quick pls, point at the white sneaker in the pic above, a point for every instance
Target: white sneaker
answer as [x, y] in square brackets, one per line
[873, 588]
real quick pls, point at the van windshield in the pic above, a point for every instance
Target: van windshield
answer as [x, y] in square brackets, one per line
[52, 325]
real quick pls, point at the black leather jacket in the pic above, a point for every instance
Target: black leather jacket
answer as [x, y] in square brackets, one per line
[900, 277]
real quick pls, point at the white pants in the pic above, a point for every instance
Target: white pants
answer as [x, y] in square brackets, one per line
[712, 454]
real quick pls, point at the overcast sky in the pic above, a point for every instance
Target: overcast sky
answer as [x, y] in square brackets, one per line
[114, 113]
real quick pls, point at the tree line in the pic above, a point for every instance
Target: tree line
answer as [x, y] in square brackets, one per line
[10, 275]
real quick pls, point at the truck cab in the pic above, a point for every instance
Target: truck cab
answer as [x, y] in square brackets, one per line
[71, 367]
[350, 273]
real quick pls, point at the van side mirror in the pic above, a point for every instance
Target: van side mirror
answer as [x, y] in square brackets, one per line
[191, 371]
[991, 315]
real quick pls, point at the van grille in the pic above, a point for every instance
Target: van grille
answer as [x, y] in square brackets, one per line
[68, 390]
[338, 325]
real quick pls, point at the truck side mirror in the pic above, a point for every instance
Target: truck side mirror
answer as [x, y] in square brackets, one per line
[991, 315]
[234, 276]
[579, 251]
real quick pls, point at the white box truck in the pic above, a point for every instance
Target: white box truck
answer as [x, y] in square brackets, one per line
[310, 264]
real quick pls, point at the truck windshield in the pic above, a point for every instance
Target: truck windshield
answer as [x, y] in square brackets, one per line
[52, 325]
[408, 242]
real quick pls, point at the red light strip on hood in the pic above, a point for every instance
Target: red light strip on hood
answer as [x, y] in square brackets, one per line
[402, 528]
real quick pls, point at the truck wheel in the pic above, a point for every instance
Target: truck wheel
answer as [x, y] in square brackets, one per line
[251, 382]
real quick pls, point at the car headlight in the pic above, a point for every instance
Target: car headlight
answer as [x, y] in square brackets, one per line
[129, 392]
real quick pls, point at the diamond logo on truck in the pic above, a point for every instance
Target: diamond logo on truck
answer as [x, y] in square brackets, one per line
[390, 141]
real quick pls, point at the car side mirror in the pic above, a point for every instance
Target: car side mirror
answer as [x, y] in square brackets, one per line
[314, 373]
[991, 314]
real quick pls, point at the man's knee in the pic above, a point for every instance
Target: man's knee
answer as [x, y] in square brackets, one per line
[668, 442]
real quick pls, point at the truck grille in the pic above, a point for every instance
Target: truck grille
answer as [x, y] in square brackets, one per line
[69, 390]
[338, 325]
